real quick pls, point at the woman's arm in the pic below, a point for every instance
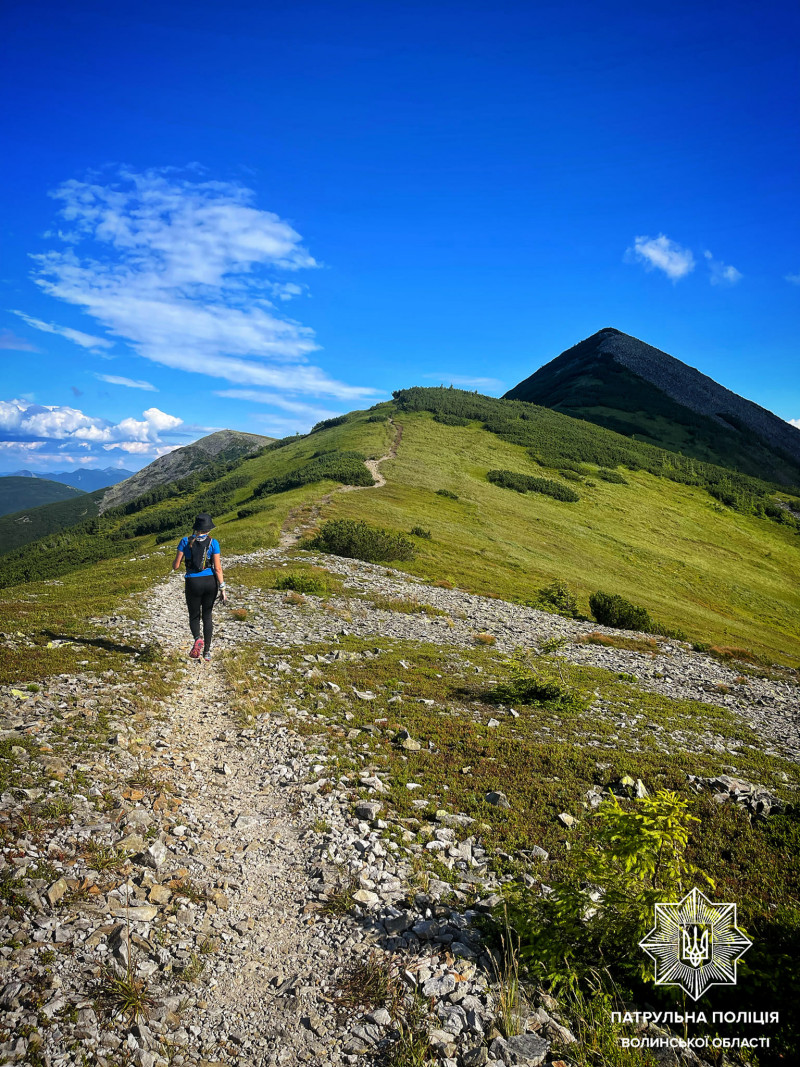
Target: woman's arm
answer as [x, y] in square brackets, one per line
[178, 559]
[216, 563]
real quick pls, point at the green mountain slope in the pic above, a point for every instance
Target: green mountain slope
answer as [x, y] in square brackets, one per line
[726, 573]
[22, 527]
[626, 385]
[17, 494]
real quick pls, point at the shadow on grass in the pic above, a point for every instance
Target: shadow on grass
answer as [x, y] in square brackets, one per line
[96, 642]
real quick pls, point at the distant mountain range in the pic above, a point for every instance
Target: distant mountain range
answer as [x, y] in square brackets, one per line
[628, 386]
[87, 478]
[34, 507]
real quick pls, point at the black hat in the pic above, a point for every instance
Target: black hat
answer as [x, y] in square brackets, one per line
[203, 523]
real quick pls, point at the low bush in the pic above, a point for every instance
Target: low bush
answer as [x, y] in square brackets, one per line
[376, 418]
[623, 861]
[450, 420]
[419, 531]
[612, 610]
[254, 509]
[612, 476]
[359, 540]
[302, 582]
[531, 690]
[571, 476]
[327, 424]
[526, 483]
[345, 467]
[447, 493]
[559, 597]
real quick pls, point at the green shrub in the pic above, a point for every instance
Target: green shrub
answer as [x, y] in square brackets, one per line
[450, 420]
[560, 598]
[533, 690]
[447, 493]
[254, 509]
[302, 582]
[419, 531]
[360, 540]
[376, 418]
[327, 424]
[525, 483]
[571, 476]
[615, 611]
[611, 476]
[345, 467]
[622, 862]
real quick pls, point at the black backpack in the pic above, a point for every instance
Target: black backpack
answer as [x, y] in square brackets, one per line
[198, 554]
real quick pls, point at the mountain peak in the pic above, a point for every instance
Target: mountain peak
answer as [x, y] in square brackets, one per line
[629, 386]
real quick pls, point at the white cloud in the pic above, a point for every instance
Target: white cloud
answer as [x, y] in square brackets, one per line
[660, 253]
[313, 413]
[793, 278]
[794, 422]
[28, 426]
[114, 379]
[183, 271]
[12, 343]
[721, 273]
[85, 340]
[466, 382]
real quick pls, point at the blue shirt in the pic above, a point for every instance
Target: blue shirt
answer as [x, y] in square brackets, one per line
[213, 551]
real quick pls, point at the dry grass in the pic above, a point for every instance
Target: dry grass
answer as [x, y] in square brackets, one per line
[632, 644]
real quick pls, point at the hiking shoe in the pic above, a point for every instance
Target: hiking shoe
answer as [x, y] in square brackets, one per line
[197, 648]
[207, 657]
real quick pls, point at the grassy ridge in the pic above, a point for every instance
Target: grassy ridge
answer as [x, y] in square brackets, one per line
[722, 576]
[694, 564]
[20, 494]
[22, 527]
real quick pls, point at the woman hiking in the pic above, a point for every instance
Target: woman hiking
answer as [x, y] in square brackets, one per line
[204, 581]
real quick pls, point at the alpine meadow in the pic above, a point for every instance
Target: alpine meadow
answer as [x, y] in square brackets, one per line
[506, 677]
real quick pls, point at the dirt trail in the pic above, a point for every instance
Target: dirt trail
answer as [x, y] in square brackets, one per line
[304, 518]
[270, 964]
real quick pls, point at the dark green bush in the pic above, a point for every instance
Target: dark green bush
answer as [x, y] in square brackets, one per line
[376, 418]
[525, 483]
[360, 540]
[611, 476]
[531, 690]
[559, 597]
[450, 420]
[327, 424]
[419, 531]
[345, 467]
[612, 610]
[571, 476]
[254, 509]
[302, 582]
[447, 493]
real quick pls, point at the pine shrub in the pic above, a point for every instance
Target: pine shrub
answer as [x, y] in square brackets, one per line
[526, 483]
[612, 610]
[360, 540]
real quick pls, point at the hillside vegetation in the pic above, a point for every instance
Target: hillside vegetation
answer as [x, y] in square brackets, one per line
[647, 525]
[18, 494]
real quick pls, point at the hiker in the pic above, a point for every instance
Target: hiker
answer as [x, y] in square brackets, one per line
[203, 582]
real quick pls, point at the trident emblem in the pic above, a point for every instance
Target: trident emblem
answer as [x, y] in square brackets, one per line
[693, 951]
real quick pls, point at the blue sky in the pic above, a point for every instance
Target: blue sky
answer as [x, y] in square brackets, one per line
[260, 215]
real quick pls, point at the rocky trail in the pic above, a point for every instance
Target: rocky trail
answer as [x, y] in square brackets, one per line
[217, 864]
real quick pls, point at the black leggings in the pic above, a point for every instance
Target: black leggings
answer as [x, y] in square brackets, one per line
[200, 596]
